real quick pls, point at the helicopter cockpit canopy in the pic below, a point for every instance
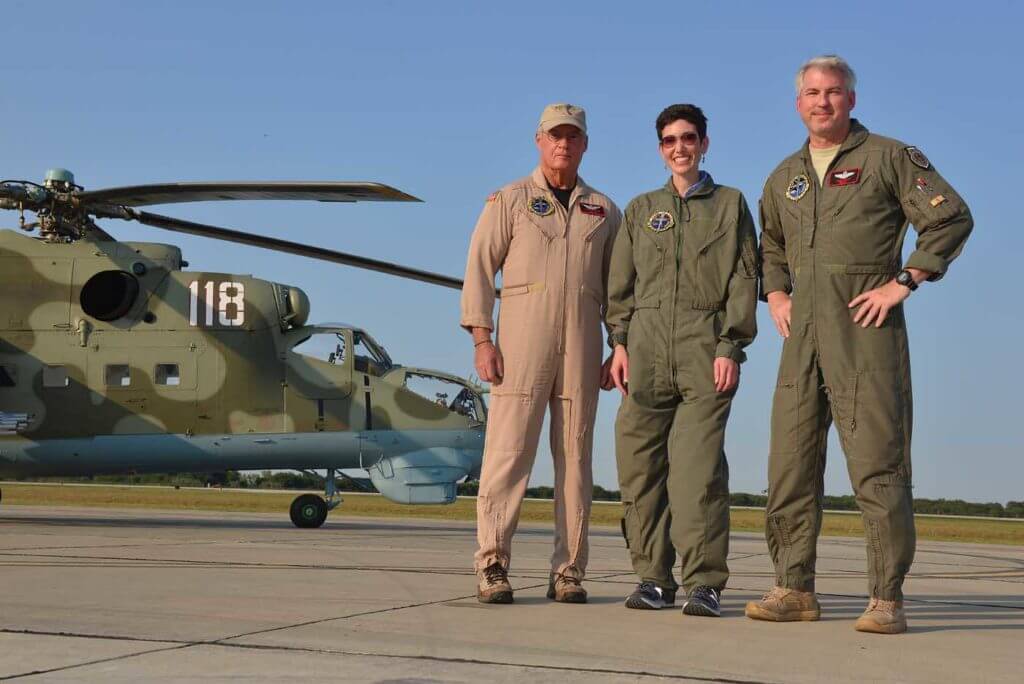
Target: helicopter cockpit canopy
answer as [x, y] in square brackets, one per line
[335, 343]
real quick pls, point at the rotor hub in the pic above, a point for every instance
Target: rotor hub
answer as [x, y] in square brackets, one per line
[59, 179]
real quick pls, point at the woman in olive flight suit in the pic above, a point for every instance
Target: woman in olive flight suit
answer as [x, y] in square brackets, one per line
[682, 293]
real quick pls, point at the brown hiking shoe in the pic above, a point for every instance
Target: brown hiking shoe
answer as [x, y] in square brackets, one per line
[566, 589]
[882, 617]
[493, 586]
[785, 605]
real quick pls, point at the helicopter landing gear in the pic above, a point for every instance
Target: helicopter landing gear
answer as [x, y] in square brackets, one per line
[310, 510]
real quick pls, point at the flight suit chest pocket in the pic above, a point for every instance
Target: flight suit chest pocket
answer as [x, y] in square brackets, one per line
[593, 238]
[713, 260]
[863, 222]
[855, 197]
[526, 260]
[650, 250]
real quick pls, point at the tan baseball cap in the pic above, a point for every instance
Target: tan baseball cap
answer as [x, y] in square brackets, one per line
[561, 113]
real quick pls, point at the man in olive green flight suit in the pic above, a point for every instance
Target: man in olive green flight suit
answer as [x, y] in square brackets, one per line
[682, 294]
[833, 220]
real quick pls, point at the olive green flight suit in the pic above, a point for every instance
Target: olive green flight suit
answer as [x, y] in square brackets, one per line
[826, 245]
[682, 290]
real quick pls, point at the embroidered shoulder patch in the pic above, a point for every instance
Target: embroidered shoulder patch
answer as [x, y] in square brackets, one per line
[917, 156]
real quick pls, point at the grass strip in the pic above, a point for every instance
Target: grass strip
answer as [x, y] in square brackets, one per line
[242, 501]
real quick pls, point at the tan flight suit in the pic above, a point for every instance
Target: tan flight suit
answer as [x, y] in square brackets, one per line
[554, 267]
[827, 244]
[682, 290]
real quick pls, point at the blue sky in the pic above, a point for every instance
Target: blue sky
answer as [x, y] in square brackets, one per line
[441, 100]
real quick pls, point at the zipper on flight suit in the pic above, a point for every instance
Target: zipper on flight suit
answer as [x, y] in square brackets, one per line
[818, 188]
[679, 202]
[560, 322]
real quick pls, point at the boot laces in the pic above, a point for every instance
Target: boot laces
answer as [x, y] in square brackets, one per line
[568, 579]
[495, 574]
[881, 605]
[776, 594]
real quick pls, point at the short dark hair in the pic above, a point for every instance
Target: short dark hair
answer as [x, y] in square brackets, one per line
[686, 112]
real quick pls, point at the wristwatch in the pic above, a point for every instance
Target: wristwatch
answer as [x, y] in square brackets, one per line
[906, 280]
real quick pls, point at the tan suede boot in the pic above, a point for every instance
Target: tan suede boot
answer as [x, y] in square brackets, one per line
[566, 589]
[882, 617]
[493, 586]
[785, 605]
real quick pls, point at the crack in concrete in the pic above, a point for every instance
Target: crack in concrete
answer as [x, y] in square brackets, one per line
[98, 661]
[181, 645]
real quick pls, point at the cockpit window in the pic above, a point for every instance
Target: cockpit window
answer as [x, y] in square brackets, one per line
[325, 346]
[370, 357]
[452, 395]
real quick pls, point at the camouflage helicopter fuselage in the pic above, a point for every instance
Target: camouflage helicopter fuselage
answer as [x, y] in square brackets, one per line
[114, 359]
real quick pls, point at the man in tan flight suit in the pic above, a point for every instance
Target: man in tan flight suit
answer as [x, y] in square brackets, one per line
[550, 235]
[833, 219]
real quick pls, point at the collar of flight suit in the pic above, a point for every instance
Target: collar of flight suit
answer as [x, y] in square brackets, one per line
[541, 184]
[581, 191]
[854, 138]
[704, 186]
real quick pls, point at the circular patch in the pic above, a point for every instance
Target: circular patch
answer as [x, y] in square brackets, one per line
[798, 187]
[660, 221]
[917, 156]
[541, 206]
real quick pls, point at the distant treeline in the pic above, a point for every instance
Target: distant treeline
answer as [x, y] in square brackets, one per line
[296, 480]
[1013, 509]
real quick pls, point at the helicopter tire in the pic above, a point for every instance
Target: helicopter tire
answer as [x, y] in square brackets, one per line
[308, 511]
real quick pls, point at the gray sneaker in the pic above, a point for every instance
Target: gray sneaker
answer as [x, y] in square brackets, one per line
[704, 601]
[649, 596]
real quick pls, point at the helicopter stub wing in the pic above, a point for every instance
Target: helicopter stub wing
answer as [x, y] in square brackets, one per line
[276, 244]
[173, 193]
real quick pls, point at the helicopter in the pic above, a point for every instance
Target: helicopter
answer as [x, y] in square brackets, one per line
[116, 359]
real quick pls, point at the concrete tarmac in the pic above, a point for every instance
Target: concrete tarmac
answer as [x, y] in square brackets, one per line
[137, 595]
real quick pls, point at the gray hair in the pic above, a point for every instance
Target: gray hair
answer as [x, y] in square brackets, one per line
[830, 63]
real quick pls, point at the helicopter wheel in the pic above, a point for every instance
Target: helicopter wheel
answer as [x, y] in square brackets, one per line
[308, 510]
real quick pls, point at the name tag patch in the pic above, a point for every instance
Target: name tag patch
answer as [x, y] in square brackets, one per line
[841, 177]
[591, 209]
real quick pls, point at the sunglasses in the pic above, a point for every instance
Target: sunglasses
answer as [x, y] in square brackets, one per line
[689, 138]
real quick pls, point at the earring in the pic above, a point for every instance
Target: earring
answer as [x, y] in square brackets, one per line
[703, 157]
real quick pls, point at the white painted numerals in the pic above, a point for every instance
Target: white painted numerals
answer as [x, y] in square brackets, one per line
[226, 300]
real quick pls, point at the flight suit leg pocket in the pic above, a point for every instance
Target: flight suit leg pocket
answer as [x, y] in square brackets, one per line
[630, 524]
[510, 411]
[641, 345]
[871, 420]
[785, 416]
[843, 402]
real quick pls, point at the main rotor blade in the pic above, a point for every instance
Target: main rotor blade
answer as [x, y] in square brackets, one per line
[181, 226]
[172, 193]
